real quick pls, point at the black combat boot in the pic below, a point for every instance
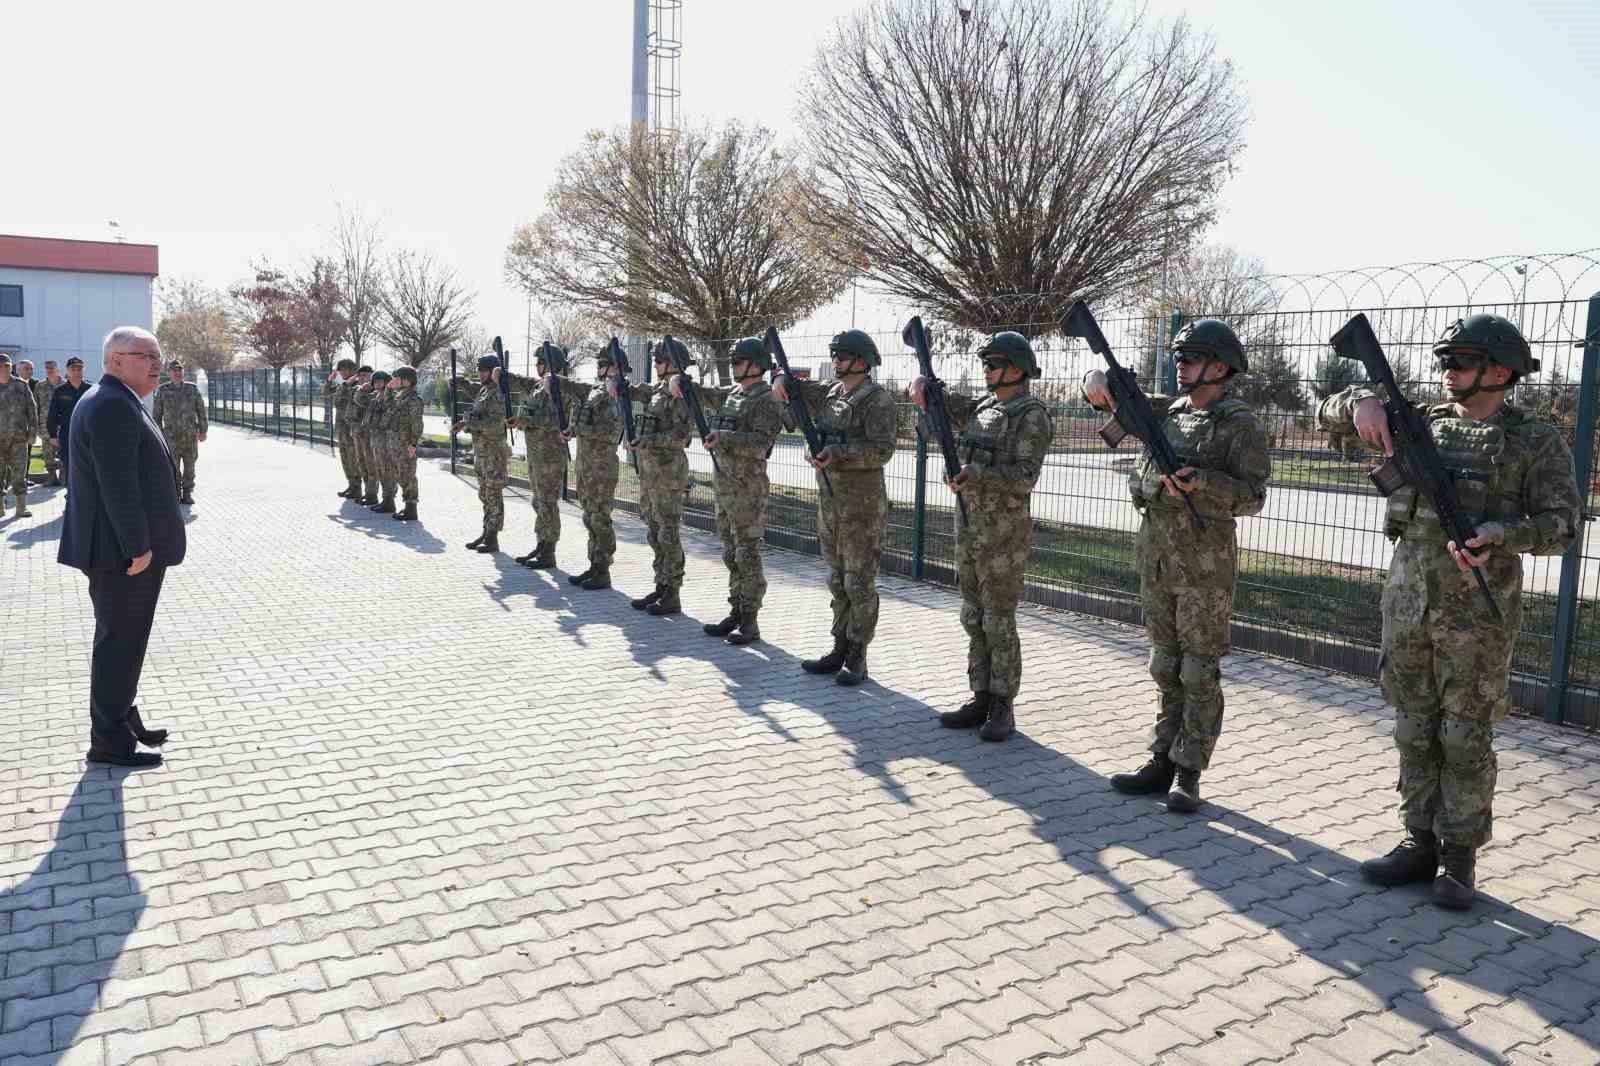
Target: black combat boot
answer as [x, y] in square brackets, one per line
[854, 670]
[647, 599]
[477, 540]
[829, 663]
[666, 603]
[371, 498]
[1154, 776]
[150, 738]
[490, 543]
[748, 632]
[1185, 794]
[1453, 888]
[187, 498]
[408, 513]
[597, 579]
[972, 713]
[1412, 861]
[352, 489]
[1002, 722]
[531, 555]
[544, 558]
[722, 628]
[578, 579]
[386, 507]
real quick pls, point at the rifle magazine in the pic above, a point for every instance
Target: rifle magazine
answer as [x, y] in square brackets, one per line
[1113, 433]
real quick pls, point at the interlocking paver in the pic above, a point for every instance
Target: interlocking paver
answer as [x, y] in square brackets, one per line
[556, 830]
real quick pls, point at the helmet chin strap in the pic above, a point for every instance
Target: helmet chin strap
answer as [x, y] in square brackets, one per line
[1477, 386]
[851, 371]
[1007, 383]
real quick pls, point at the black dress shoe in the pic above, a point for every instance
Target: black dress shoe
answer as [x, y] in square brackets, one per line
[117, 758]
[150, 738]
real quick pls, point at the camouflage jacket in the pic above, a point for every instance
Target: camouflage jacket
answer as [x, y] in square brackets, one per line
[664, 424]
[360, 406]
[41, 398]
[404, 417]
[1004, 443]
[1513, 475]
[859, 424]
[1227, 446]
[591, 411]
[748, 420]
[538, 412]
[19, 414]
[487, 419]
[180, 410]
[342, 397]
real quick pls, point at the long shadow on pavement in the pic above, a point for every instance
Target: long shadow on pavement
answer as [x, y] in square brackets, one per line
[413, 535]
[20, 539]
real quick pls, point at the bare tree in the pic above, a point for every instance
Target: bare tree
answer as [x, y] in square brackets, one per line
[424, 307]
[195, 325]
[996, 162]
[690, 234]
[320, 303]
[581, 333]
[358, 255]
[268, 318]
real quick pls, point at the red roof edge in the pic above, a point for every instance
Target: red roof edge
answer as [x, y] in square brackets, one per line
[90, 257]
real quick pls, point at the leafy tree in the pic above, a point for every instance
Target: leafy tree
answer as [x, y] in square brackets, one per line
[268, 316]
[195, 325]
[320, 303]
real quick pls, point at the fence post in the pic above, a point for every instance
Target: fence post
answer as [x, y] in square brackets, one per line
[450, 398]
[1572, 560]
[919, 518]
[294, 403]
[1170, 373]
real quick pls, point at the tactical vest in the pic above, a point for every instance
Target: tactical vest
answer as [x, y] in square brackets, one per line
[837, 422]
[1193, 436]
[988, 439]
[657, 414]
[1487, 483]
[539, 411]
[734, 415]
[586, 417]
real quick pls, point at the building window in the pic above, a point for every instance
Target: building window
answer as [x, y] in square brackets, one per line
[10, 301]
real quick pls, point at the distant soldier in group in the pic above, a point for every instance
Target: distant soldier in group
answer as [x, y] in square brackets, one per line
[1186, 570]
[491, 453]
[593, 418]
[856, 418]
[748, 420]
[664, 430]
[1004, 440]
[340, 389]
[547, 456]
[404, 429]
[180, 411]
[361, 428]
[379, 412]
[43, 391]
[62, 400]
[19, 421]
[1446, 660]
[22, 370]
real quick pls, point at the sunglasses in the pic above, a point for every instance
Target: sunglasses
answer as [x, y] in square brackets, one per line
[1462, 360]
[994, 366]
[1187, 358]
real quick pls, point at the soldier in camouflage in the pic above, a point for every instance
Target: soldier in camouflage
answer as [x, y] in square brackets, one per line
[380, 418]
[23, 372]
[491, 453]
[1186, 573]
[594, 420]
[180, 411]
[664, 432]
[19, 420]
[1446, 661]
[42, 393]
[339, 390]
[748, 420]
[856, 418]
[1004, 439]
[547, 457]
[361, 401]
[400, 443]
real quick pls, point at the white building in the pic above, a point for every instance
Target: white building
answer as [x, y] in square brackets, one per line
[59, 298]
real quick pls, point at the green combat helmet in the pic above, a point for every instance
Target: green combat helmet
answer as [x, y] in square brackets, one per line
[753, 349]
[406, 374]
[1013, 347]
[1215, 338]
[603, 356]
[1491, 336]
[553, 356]
[673, 351]
[856, 344]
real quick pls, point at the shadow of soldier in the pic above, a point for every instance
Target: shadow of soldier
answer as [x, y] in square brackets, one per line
[1299, 904]
[383, 527]
[19, 539]
[69, 920]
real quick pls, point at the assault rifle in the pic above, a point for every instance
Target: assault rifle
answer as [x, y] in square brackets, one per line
[797, 404]
[935, 421]
[1416, 459]
[1133, 415]
[691, 403]
[505, 389]
[619, 359]
[556, 400]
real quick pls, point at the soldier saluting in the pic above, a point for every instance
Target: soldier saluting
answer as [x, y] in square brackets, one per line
[1004, 438]
[1446, 660]
[1186, 569]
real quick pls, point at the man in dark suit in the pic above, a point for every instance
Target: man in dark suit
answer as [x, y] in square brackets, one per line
[122, 527]
[63, 398]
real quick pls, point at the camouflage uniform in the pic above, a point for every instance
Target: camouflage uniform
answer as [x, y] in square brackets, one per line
[593, 417]
[749, 421]
[343, 399]
[41, 399]
[404, 414]
[361, 436]
[851, 516]
[547, 462]
[1446, 663]
[664, 432]
[180, 411]
[1186, 575]
[380, 425]
[19, 420]
[490, 455]
[1005, 444]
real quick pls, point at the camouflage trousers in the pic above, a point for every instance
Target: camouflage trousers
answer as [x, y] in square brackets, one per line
[850, 524]
[52, 461]
[1189, 624]
[547, 467]
[185, 451]
[369, 463]
[348, 458]
[489, 464]
[991, 560]
[741, 496]
[664, 477]
[597, 489]
[1446, 669]
[403, 468]
[14, 466]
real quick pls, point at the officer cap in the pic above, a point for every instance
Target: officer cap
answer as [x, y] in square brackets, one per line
[407, 374]
[1014, 348]
[553, 356]
[174, 364]
[1491, 336]
[1215, 338]
[855, 343]
[673, 351]
[74, 361]
[753, 349]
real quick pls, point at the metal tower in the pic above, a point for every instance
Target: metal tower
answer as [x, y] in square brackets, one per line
[657, 49]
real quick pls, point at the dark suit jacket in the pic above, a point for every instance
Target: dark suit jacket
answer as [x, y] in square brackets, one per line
[122, 493]
[59, 415]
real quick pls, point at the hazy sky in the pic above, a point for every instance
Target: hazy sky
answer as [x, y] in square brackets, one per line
[1382, 131]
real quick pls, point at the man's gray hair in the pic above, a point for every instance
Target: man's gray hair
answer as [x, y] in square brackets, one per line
[118, 340]
[25, 363]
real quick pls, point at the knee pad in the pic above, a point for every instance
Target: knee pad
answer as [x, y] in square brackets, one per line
[1200, 673]
[1467, 745]
[857, 586]
[1415, 732]
[1164, 666]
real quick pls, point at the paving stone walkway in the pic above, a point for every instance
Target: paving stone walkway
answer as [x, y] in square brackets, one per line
[426, 806]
